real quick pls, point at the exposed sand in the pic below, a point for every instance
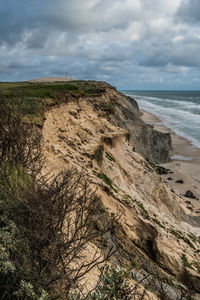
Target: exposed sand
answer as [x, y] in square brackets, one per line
[185, 164]
[50, 79]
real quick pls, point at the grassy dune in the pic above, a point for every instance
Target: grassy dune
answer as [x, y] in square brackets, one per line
[34, 98]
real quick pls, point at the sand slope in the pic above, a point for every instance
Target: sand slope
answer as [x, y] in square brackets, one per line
[149, 213]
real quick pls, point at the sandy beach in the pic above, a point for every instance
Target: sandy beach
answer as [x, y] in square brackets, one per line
[185, 165]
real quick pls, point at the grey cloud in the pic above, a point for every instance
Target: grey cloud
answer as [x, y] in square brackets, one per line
[19, 17]
[182, 53]
[125, 42]
[189, 11]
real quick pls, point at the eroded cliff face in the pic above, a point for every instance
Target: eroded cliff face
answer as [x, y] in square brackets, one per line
[154, 146]
[105, 136]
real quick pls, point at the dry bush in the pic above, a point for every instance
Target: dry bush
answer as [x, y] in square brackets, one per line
[46, 224]
[20, 142]
[52, 218]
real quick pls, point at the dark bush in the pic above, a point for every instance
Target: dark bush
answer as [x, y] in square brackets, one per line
[45, 221]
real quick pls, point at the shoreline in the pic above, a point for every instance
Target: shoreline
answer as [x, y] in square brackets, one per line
[185, 165]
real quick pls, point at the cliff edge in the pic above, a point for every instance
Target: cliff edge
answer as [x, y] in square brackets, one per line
[79, 187]
[103, 134]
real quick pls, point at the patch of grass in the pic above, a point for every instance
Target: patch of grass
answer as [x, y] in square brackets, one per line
[160, 170]
[98, 225]
[126, 196]
[91, 88]
[36, 90]
[4, 86]
[186, 262]
[102, 210]
[105, 243]
[34, 98]
[192, 237]
[142, 207]
[158, 222]
[139, 204]
[93, 91]
[107, 181]
[12, 176]
[178, 235]
[110, 157]
[134, 264]
[49, 89]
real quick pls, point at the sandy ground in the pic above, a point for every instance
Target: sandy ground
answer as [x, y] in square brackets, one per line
[185, 164]
[50, 79]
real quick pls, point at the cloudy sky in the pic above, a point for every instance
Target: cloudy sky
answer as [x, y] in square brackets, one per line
[133, 44]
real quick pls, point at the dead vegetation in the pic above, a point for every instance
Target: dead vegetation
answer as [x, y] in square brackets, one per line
[51, 217]
[48, 222]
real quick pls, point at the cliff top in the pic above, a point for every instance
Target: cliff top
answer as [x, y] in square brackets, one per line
[90, 126]
[35, 97]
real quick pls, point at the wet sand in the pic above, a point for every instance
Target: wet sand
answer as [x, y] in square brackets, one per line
[185, 165]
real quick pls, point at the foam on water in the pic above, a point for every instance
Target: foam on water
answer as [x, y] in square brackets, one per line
[180, 157]
[181, 114]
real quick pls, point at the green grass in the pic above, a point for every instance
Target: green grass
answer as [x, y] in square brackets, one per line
[34, 98]
[102, 210]
[38, 90]
[139, 204]
[13, 177]
[142, 207]
[158, 222]
[160, 170]
[126, 196]
[10, 85]
[178, 235]
[107, 181]
[98, 225]
[192, 237]
[110, 157]
[186, 262]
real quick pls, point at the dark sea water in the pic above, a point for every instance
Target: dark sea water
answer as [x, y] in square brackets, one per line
[178, 110]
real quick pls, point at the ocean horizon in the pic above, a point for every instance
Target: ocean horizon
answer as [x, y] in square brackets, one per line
[179, 110]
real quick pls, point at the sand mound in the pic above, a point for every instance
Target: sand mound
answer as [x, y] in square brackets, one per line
[50, 79]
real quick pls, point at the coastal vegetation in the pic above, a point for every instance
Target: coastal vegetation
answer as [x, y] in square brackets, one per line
[35, 98]
[45, 221]
[92, 211]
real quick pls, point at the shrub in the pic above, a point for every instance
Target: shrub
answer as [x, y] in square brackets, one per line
[20, 143]
[51, 223]
[45, 221]
[113, 284]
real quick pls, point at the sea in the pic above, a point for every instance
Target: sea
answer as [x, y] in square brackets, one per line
[177, 110]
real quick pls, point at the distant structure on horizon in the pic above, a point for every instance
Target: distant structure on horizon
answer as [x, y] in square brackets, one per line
[52, 79]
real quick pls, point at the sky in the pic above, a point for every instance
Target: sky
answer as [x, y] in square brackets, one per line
[132, 44]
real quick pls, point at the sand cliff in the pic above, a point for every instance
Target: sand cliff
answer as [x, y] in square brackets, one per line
[106, 137]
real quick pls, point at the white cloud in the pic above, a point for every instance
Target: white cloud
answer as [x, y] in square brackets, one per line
[177, 69]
